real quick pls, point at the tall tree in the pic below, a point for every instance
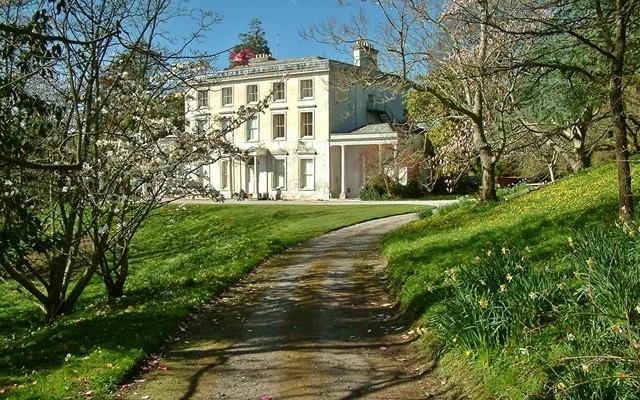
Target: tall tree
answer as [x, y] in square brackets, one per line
[96, 99]
[253, 41]
[603, 29]
[451, 51]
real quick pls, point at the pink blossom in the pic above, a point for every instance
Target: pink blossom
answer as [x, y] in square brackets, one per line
[242, 56]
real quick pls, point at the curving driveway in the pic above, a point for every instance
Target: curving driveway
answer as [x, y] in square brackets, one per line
[312, 323]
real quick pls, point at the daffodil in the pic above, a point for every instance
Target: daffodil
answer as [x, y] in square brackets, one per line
[590, 263]
[509, 278]
[483, 303]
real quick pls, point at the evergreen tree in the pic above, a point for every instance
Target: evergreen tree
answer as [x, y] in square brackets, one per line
[253, 39]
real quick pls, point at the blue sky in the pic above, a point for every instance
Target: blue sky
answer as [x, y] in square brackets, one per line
[282, 21]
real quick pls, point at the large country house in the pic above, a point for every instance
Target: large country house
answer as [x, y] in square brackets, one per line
[314, 139]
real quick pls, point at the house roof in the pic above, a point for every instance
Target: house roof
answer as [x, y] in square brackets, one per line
[271, 66]
[369, 134]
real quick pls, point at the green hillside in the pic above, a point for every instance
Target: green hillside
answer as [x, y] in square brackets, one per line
[499, 287]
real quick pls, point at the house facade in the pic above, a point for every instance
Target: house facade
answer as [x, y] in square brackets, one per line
[314, 139]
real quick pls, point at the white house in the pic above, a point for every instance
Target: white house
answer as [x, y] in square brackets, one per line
[312, 141]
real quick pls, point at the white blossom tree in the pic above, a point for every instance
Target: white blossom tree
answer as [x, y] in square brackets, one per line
[95, 147]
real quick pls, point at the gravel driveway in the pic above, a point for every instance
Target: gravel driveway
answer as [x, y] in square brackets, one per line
[311, 323]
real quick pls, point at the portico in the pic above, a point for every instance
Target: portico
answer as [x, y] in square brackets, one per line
[351, 154]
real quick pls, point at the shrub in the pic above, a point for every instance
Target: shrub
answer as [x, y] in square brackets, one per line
[372, 192]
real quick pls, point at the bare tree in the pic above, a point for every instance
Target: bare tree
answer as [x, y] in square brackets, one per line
[450, 51]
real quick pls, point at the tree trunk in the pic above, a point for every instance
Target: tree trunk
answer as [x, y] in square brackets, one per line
[625, 210]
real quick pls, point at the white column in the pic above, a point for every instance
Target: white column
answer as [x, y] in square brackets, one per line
[343, 195]
[255, 176]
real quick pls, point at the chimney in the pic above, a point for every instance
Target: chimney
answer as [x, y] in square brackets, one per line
[364, 55]
[262, 57]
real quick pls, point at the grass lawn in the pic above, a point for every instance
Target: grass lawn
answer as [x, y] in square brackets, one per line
[181, 259]
[539, 223]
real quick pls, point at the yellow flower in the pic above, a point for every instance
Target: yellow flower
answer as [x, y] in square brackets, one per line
[483, 303]
[505, 250]
[503, 287]
[561, 386]
[571, 243]
[638, 308]
[584, 367]
[590, 263]
[489, 253]
[509, 277]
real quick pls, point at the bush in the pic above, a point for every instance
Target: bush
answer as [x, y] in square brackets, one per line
[372, 192]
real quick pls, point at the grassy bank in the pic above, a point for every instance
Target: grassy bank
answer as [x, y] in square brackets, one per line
[490, 249]
[180, 260]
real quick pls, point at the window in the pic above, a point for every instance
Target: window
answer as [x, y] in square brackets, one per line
[252, 93]
[278, 122]
[228, 132]
[306, 124]
[278, 91]
[252, 129]
[306, 174]
[306, 88]
[280, 173]
[224, 174]
[203, 98]
[227, 96]
[202, 124]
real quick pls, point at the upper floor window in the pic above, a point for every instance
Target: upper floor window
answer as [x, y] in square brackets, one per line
[252, 129]
[203, 98]
[227, 96]
[278, 91]
[306, 124]
[278, 122]
[226, 129]
[306, 88]
[202, 124]
[252, 93]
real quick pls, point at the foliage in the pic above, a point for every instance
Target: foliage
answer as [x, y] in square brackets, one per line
[372, 192]
[601, 353]
[180, 260]
[253, 41]
[99, 145]
[516, 336]
[495, 302]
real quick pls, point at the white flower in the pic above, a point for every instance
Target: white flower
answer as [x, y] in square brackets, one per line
[8, 182]
[571, 337]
